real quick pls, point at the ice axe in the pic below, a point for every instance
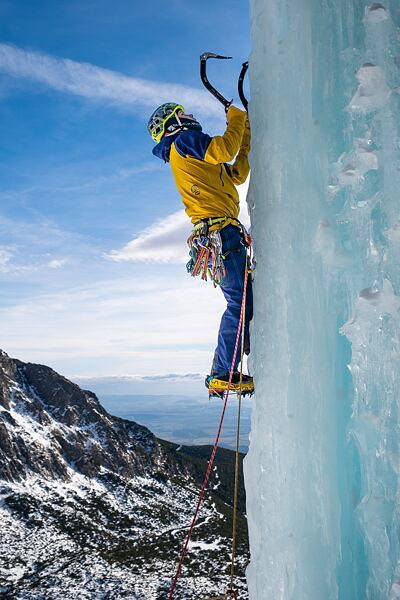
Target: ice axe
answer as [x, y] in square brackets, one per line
[242, 75]
[203, 74]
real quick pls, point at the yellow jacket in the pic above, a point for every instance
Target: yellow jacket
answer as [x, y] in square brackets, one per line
[199, 165]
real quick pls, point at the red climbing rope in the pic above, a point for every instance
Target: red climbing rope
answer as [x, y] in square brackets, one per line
[211, 461]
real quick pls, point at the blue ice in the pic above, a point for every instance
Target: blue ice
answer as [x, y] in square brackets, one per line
[322, 473]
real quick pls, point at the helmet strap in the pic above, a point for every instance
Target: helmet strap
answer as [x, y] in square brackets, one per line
[182, 125]
[174, 132]
[178, 119]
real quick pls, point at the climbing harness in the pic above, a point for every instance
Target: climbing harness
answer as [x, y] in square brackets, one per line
[205, 248]
[206, 258]
[231, 593]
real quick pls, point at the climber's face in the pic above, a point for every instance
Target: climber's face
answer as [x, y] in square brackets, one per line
[183, 115]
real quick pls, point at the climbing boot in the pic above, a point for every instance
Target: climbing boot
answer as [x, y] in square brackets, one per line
[218, 384]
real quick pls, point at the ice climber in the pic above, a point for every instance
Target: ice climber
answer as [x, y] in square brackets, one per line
[206, 183]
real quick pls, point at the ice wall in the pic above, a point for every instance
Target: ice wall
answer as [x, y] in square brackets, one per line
[322, 473]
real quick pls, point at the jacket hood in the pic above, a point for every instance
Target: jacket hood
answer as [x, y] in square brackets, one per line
[163, 148]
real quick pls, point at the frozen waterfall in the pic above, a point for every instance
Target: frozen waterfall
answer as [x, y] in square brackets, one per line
[322, 473]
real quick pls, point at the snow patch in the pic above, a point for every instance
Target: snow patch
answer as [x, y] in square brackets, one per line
[204, 546]
[372, 304]
[376, 13]
[352, 167]
[372, 92]
[393, 233]
[325, 245]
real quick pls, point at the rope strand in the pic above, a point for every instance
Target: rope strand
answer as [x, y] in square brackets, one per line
[211, 461]
[235, 494]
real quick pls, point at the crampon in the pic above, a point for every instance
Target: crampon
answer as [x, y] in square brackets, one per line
[218, 385]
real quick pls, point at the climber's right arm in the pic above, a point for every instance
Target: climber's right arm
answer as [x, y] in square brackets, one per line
[223, 148]
[218, 149]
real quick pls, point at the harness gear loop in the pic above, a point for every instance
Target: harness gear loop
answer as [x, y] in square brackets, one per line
[214, 451]
[206, 235]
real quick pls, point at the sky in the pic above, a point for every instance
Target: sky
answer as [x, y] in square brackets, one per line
[92, 230]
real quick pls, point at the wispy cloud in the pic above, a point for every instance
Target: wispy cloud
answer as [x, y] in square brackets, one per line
[51, 182]
[33, 249]
[90, 81]
[5, 257]
[12, 266]
[164, 377]
[57, 263]
[165, 240]
[173, 376]
[167, 323]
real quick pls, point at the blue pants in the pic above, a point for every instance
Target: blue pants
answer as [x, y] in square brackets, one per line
[232, 288]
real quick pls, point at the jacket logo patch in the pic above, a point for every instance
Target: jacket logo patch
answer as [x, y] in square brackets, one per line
[195, 190]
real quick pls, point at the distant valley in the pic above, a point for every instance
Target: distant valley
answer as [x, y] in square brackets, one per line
[180, 419]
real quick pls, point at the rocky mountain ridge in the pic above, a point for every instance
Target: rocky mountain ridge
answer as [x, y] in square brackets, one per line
[102, 501]
[68, 425]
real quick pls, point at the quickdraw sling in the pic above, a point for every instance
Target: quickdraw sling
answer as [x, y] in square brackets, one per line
[205, 248]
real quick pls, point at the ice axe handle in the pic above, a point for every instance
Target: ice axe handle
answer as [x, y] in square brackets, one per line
[203, 74]
[242, 75]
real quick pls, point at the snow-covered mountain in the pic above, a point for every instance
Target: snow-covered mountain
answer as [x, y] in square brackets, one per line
[94, 506]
